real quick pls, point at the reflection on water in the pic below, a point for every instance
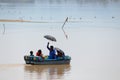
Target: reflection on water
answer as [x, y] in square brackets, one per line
[46, 71]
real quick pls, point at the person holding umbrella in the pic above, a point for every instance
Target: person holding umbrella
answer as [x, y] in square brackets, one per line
[52, 52]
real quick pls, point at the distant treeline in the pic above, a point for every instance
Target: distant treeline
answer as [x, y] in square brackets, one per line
[58, 1]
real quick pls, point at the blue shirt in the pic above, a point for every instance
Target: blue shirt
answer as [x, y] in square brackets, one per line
[52, 54]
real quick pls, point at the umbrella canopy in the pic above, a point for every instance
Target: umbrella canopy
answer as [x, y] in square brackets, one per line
[58, 49]
[49, 37]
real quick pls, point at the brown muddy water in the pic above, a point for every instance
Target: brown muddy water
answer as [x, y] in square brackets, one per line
[93, 31]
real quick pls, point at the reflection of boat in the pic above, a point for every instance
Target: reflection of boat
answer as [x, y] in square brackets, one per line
[39, 61]
[46, 71]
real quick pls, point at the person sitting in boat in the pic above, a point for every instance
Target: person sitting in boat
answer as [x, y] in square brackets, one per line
[60, 55]
[52, 52]
[31, 53]
[39, 53]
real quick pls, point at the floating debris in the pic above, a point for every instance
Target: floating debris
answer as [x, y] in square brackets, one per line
[63, 28]
[113, 17]
[4, 29]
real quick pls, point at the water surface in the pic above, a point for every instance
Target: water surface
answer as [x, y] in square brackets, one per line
[93, 38]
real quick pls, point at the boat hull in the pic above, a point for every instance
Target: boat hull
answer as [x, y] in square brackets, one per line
[34, 61]
[50, 62]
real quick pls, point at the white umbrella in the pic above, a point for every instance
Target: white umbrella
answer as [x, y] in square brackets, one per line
[49, 37]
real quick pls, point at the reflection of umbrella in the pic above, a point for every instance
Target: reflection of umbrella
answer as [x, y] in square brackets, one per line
[49, 37]
[58, 49]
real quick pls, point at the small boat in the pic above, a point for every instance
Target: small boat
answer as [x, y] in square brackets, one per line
[36, 60]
